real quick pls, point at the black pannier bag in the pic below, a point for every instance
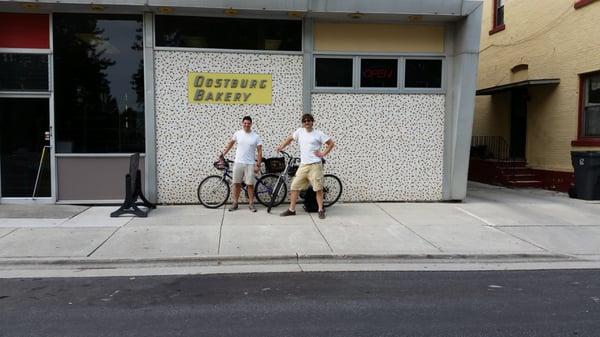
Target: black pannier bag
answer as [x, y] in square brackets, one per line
[292, 170]
[310, 200]
[275, 164]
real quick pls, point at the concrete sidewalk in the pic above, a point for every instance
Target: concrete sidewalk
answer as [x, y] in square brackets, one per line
[493, 227]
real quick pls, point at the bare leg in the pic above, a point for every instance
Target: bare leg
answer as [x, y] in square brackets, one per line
[236, 192]
[320, 199]
[293, 199]
[250, 194]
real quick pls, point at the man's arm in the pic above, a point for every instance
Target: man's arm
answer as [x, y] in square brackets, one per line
[330, 144]
[258, 158]
[284, 144]
[228, 147]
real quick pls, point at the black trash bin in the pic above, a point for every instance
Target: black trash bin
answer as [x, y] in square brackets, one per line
[587, 174]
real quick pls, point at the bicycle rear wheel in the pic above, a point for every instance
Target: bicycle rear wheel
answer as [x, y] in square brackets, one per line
[332, 189]
[264, 188]
[213, 191]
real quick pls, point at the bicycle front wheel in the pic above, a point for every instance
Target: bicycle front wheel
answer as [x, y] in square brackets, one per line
[213, 191]
[265, 190]
[332, 189]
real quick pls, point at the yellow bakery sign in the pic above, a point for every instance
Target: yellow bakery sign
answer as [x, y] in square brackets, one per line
[228, 88]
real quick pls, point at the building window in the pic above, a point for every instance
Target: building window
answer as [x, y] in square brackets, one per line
[23, 72]
[228, 33]
[333, 72]
[384, 74]
[99, 83]
[379, 73]
[498, 17]
[423, 73]
[590, 114]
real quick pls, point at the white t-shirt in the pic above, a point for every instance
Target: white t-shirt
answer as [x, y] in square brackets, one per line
[309, 142]
[245, 152]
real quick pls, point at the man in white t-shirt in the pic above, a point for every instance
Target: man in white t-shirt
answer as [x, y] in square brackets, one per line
[245, 164]
[310, 171]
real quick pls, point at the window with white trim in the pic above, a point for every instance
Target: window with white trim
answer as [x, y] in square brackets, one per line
[591, 106]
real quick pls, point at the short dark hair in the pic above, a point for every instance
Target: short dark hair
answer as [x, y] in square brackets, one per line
[307, 116]
[247, 118]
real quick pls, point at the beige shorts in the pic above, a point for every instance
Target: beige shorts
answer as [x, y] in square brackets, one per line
[243, 172]
[308, 174]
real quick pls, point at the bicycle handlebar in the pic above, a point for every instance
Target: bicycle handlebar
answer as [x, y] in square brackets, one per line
[289, 156]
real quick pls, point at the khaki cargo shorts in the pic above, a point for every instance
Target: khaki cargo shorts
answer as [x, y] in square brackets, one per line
[243, 172]
[308, 174]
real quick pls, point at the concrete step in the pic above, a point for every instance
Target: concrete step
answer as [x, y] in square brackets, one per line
[524, 183]
[512, 163]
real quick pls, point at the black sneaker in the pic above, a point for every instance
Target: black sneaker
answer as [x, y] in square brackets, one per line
[288, 212]
[322, 214]
[252, 208]
[233, 207]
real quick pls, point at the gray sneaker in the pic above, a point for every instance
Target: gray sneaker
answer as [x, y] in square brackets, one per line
[252, 208]
[287, 212]
[233, 207]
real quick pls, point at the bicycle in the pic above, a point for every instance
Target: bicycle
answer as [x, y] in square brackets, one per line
[332, 185]
[214, 190]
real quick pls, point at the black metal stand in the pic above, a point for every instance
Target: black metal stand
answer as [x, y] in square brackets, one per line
[133, 191]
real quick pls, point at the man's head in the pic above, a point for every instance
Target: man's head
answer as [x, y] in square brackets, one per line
[308, 121]
[247, 123]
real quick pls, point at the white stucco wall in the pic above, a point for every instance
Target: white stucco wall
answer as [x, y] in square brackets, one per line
[390, 146]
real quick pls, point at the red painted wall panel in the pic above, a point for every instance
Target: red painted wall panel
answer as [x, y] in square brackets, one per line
[19, 30]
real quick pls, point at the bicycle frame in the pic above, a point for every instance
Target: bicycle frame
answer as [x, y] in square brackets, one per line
[283, 176]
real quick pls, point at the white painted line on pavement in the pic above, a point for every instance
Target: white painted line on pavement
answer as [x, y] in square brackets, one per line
[476, 217]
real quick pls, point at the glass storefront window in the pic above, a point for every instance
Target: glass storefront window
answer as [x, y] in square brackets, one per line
[423, 73]
[379, 73]
[23, 72]
[228, 33]
[99, 83]
[333, 72]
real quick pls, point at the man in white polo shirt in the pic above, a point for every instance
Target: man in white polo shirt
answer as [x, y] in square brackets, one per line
[310, 171]
[245, 164]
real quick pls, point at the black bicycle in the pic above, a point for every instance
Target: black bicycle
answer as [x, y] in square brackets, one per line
[214, 190]
[332, 185]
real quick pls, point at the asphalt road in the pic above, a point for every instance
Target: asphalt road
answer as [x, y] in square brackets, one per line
[509, 303]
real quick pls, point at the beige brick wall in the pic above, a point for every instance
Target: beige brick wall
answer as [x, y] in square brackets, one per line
[556, 41]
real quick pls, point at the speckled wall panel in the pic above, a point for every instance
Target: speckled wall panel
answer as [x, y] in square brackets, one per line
[190, 136]
[390, 147]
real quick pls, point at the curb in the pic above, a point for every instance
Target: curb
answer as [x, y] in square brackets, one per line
[93, 263]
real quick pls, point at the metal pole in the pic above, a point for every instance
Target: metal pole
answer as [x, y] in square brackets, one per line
[37, 178]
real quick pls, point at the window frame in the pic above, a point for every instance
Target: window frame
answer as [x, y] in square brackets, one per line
[582, 139]
[400, 87]
[224, 50]
[399, 73]
[40, 92]
[442, 81]
[495, 26]
[56, 128]
[334, 89]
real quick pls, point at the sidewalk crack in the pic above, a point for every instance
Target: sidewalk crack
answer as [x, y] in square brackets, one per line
[410, 229]
[108, 238]
[319, 230]
[220, 236]
[298, 262]
[528, 242]
[9, 233]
